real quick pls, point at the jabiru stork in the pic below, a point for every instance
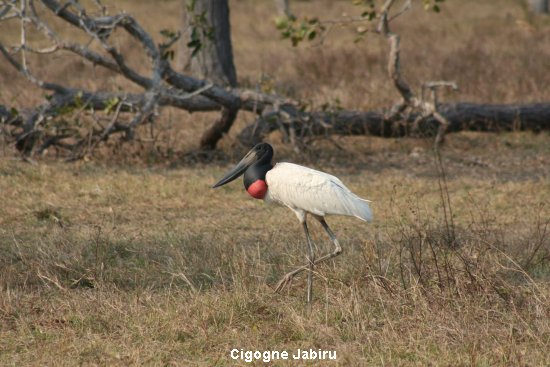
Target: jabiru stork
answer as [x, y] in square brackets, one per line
[303, 190]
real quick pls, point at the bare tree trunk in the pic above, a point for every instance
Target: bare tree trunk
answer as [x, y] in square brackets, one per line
[205, 51]
[539, 6]
[207, 21]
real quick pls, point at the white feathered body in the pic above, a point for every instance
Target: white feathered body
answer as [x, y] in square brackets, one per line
[305, 190]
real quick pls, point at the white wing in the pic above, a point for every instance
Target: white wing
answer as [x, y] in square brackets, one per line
[305, 189]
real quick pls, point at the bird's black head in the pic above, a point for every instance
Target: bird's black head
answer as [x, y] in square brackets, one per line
[260, 155]
[263, 152]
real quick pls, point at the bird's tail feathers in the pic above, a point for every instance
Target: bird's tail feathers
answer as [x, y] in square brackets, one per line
[363, 210]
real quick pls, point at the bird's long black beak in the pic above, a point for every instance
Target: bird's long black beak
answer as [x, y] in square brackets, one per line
[239, 169]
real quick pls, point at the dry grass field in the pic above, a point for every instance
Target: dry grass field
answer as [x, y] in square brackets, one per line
[129, 258]
[117, 265]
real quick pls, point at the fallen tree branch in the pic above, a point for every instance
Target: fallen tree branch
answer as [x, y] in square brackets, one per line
[460, 117]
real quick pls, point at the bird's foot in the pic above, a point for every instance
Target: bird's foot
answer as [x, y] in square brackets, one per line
[286, 280]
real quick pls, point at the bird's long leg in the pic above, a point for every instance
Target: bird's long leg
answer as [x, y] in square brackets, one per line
[337, 251]
[311, 263]
[337, 248]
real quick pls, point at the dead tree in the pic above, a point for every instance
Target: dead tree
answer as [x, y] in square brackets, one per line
[119, 113]
[162, 87]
